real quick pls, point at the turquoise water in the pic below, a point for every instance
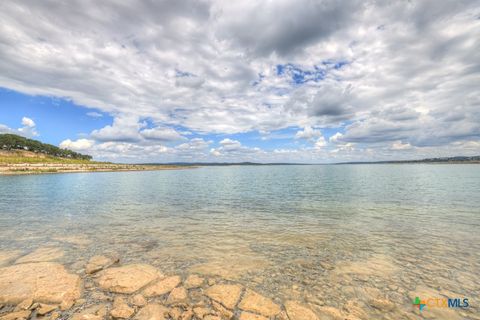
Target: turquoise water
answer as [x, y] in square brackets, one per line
[325, 235]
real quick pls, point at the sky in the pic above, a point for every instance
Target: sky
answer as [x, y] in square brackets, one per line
[225, 81]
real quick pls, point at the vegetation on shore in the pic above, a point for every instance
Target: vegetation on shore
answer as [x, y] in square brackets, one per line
[16, 142]
[19, 155]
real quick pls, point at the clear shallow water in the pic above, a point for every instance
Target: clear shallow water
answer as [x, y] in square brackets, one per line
[325, 235]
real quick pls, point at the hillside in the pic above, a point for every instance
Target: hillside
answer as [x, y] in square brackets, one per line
[19, 155]
[15, 142]
[23, 156]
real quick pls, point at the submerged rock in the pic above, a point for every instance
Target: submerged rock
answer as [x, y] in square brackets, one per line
[7, 257]
[45, 308]
[331, 313]
[282, 316]
[257, 303]
[224, 312]
[127, 279]
[97, 263]
[382, 304]
[299, 312]
[99, 296]
[97, 312]
[201, 312]
[194, 281]
[120, 309]
[152, 312]
[251, 316]
[226, 294]
[355, 310]
[162, 287]
[175, 313]
[187, 315]
[66, 304]
[25, 314]
[48, 282]
[138, 300]
[55, 315]
[42, 255]
[177, 295]
[24, 305]
[87, 316]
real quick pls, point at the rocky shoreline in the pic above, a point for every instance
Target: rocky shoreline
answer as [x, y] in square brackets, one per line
[105, 288]
[40, 168]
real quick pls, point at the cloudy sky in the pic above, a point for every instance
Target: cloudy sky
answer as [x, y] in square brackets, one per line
[268, 81]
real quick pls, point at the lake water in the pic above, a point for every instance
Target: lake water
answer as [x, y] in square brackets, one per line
[334, 235]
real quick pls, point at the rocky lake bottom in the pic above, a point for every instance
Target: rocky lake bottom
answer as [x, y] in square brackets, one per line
[72, 277]
[241, 243]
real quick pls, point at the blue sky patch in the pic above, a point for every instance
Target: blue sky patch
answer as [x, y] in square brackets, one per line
[56, 119]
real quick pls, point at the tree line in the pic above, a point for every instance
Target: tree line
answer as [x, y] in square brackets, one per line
[15, 142]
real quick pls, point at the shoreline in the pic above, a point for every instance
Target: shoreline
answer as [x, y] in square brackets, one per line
[106, 288]
[46, 168]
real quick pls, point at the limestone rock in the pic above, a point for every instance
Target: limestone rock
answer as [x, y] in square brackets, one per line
[187, 315]
[201, 312]
[175, 313]
[42, 255]
[251, 316]
[66, 304]
[99, 296]
[224, 312]
[120, 309]
[45, 308]
[226, 294]
[298, 312]
[100, 310]
[382, 304]
[6, 257]
[255, 302]
[48, 282]
[282, 316]
[152, 312]
[97, 263]
[127, 279]
[331, 313]
[16, 315]
[86, 317]
[96, 312]
[354, 309]
[80, 302]
[24, 305]
[163, 286]
[194, 281]
[177, 295]
[138, 300]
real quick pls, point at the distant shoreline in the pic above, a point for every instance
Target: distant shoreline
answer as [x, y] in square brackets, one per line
[24, 162]
[449, 160]
[46, 168]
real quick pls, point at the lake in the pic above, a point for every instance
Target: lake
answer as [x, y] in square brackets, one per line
[363, 239]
